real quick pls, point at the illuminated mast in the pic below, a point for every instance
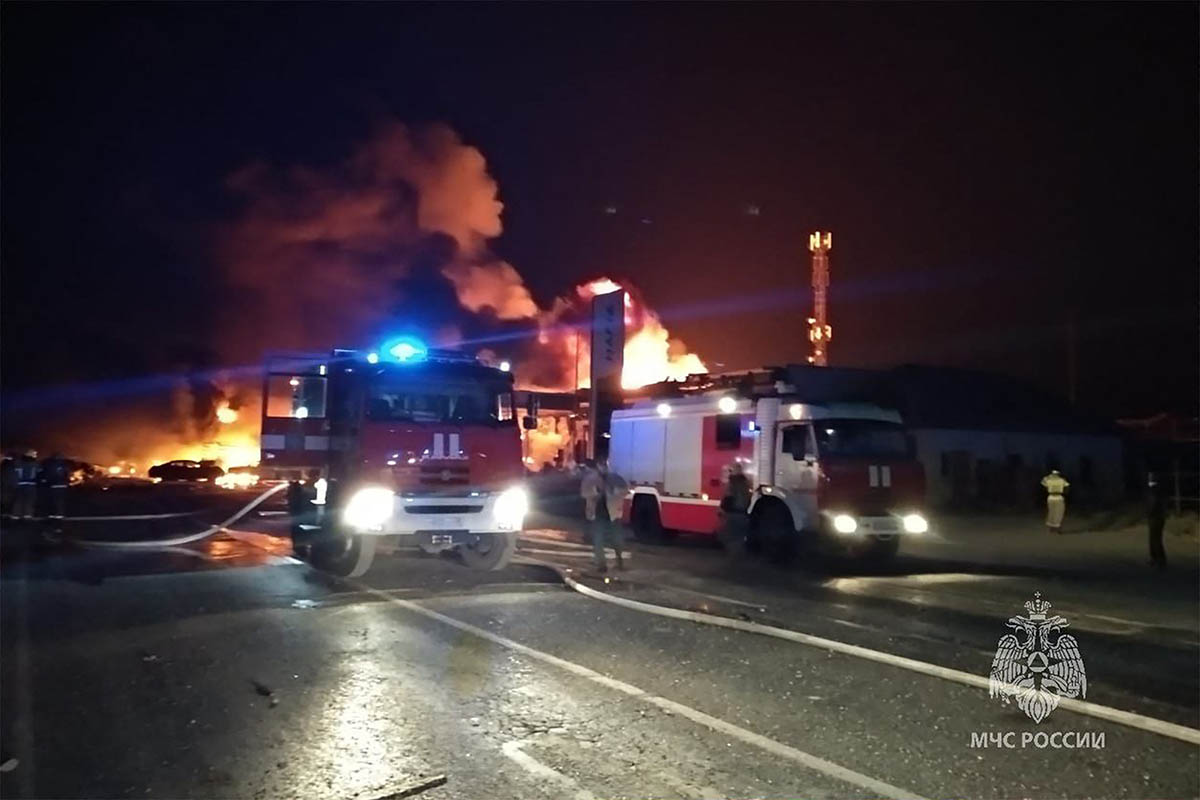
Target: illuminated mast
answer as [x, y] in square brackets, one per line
[820, 332]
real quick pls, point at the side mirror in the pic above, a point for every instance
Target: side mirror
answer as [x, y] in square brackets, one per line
[529, 422]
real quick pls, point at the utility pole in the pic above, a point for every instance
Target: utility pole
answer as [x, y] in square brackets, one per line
[820, 332]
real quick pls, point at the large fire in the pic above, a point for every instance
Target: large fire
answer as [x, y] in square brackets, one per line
[650, 354]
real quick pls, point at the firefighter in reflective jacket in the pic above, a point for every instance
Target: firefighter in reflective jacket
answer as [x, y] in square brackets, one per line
[56, 471]
[27, 475]
[1056, 501]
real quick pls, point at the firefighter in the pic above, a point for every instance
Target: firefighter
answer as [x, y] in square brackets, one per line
[1056, 502]
[56, 471]
[300, 497]
[604, 501]
[27, 476]
[734, 507]
[1156, 520]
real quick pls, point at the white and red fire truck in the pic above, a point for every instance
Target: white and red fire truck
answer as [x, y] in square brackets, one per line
[829, 474]
[407, 446]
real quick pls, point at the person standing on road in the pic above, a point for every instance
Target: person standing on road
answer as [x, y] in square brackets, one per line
[734, 507]
[603, 494]
[591, 487]
[613, 510]
[1156, 520]
[56, 471]
[1056, 501]
[27, 475]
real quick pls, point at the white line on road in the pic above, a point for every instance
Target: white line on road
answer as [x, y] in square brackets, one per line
[780, 749]
[539, 770]
[1127, 718]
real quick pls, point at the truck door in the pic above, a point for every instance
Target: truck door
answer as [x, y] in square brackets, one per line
[797, 471]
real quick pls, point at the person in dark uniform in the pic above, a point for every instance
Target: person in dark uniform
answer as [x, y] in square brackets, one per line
[735, 505]
[56, 471]
[25, 504]
[1156, 520]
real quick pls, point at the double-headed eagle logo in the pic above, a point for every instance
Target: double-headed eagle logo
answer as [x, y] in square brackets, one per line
[1037, 664]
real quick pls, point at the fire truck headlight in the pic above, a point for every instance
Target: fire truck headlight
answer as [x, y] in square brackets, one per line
[915, 523]
[369, 508]
[511, 507]
[844, 523]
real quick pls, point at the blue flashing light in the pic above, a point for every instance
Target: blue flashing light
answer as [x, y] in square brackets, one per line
[372, 358]
[407, 350]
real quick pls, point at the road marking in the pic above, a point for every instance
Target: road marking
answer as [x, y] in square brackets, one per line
[539, 770]
[1127, 718]
[780, 749]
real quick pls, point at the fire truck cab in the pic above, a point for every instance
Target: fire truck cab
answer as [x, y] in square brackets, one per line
[406, 446]
[837, 477]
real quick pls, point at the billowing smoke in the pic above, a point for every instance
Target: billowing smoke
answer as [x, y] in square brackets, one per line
[324, 257]
[395, 234]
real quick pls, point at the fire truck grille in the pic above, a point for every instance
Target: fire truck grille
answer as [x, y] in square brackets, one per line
[444, 476]
[411, 509]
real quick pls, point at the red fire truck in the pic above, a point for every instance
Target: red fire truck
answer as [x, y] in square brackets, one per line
[407, 446]
[830, 475]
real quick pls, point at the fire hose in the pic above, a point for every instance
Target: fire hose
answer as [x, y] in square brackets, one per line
[193, 537]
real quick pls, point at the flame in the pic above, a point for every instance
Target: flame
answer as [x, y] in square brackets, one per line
[651, 355]
[225, 414]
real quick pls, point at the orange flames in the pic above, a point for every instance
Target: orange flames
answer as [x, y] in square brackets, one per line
[651, 355]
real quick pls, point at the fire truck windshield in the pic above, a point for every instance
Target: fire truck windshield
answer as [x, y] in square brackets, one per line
[393, 397]
[861, 438]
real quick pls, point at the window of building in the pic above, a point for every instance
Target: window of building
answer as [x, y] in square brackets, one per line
[729, 432]
[945, 464]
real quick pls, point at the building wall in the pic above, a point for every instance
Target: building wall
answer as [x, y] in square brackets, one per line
[1004, 469]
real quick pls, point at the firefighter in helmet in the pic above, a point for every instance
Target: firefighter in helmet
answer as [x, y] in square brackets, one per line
[1056, 501]
[27, 475]
[1156, 520]
[56, 471]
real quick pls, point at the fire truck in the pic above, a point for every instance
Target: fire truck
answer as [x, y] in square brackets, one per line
[402, 447]
[832, 471]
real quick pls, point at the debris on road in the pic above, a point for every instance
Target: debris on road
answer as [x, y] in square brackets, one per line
[262, 689]
[9, 765]
[304, 604]
[414, 789]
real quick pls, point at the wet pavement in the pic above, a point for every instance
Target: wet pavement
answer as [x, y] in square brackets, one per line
[226, 668]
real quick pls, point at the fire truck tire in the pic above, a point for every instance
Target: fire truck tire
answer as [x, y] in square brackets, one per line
[345, 555]
[644, 519]
[776, 531]
[490, 552]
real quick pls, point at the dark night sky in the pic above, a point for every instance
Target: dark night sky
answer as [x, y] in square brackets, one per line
[991, 172]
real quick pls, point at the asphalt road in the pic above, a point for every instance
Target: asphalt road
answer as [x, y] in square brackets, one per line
[228, 669]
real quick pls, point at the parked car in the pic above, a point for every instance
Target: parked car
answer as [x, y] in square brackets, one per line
[183, 470]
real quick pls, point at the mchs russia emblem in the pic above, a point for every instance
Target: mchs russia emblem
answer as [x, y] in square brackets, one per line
[1037, 664]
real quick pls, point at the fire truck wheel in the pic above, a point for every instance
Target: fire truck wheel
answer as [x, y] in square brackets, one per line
[490, 551]
[346, 555]
[777, 532]
[644, 519]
